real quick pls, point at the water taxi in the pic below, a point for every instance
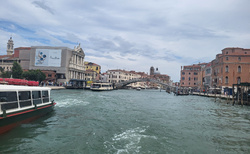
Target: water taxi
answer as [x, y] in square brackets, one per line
[22, 104]
[102, 86]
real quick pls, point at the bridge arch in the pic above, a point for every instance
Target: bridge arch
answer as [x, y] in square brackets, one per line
[127, 82]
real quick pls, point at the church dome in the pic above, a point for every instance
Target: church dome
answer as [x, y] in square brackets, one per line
[157, 71]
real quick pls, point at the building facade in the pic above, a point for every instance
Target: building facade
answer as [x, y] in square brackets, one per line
[189, 76]
[230, 67]
[92, 66]
[208, 76]
[6, 61]
[155, 74]
[91, 75]
[117, 76]
[93, 71]
[66, 63]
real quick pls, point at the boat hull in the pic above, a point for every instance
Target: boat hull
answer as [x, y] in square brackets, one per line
[95, 89]
[13, 120]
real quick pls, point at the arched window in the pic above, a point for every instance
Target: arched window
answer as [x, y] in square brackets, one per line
[226, 69]
[239, 69]
[226, 79]
[238, 80]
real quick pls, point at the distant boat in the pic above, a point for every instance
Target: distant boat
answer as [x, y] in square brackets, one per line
[101, 86]
[22, 104]
[138, 88]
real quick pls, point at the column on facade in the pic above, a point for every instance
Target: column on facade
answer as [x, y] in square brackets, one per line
[75, 59]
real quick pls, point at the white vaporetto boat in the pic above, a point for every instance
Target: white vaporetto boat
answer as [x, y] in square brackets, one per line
[101, 86]
[22, 104]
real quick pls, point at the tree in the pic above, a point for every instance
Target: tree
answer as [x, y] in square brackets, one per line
[35, 75]
[1, 70]
[6, 74]
[17, 70]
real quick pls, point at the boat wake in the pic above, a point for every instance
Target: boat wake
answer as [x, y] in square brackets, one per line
[128, 141]
[71, 102]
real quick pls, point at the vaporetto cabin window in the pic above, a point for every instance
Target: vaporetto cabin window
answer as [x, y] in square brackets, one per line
[36, 95]
[45, 95]
[8, 100]
[24, 98]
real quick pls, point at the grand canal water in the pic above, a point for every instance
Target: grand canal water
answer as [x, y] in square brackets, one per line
[129, 121]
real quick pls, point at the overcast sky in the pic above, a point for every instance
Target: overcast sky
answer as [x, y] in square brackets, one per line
[130, 35]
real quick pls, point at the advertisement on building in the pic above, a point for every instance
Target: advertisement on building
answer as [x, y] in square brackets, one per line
[48, 57]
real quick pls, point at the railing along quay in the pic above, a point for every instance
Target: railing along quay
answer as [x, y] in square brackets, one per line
[213, 95]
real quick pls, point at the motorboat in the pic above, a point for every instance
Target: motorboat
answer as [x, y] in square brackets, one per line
[101, 86]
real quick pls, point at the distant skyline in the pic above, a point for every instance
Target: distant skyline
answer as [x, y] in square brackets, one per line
[130, 35]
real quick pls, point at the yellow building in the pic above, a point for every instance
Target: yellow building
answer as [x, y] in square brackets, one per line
[92, 66]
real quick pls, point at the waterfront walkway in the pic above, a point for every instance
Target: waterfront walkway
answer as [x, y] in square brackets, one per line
[56, 87]
[213, 95]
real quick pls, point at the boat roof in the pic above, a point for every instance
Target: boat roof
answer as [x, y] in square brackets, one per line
[102, 83]
[21, 88]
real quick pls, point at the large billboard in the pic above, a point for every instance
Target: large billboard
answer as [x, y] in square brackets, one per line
[48, 57]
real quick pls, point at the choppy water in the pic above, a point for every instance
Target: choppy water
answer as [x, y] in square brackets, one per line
[129, 121]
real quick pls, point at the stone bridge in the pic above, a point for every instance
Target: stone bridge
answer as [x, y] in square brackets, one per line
[124, 83]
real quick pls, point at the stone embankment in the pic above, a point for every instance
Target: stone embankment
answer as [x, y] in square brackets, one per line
[213, 95]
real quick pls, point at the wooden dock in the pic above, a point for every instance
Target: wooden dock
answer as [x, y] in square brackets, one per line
[213, 95]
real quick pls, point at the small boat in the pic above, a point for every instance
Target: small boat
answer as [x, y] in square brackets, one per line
[138, 88]
[22, 104]
[101, 86]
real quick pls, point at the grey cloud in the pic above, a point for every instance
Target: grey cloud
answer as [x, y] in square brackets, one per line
[41, 4]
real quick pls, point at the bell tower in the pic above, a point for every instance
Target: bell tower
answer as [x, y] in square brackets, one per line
[152, 70]
[10, 46]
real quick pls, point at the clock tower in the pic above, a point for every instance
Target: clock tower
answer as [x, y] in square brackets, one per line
[10, 46]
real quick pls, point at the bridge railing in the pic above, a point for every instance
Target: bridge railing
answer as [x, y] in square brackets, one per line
[124, 83]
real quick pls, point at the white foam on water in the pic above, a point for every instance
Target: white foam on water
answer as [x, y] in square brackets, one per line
[128, 141]
[70, 102]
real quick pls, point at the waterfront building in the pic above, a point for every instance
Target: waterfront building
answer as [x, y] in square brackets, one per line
[155, 74]
[92, 66]
[230, 67]
[208, 76]
[117, 76]
[93, 71]
[91, 75]
[61, 62]
[104, 77]
[6, 62]
[190, 77]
